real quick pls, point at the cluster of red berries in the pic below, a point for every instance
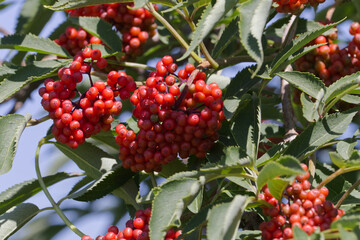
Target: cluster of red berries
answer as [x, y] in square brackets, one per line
[171, 122]
[294, 6]
[329, 62]
[75, 40]
[137, 229]
[136, 25]
[303, 207]
[75, 121]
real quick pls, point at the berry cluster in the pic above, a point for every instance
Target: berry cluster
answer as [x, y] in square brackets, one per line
[136, 25]
[304, 208]
[171, 122]
[74, 40]
[93, 112]
[137, 229]
[294, 6]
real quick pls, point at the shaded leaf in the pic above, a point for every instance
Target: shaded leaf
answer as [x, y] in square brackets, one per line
[346, 147]
[11, 128]
[352, 161]
[277, 186]
[231, 32]
[348, 221]
[15, 218]
[224, 219]
[174, 196]
[195, 205]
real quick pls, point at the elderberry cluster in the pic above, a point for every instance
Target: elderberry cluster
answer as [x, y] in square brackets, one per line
[74, 40]
[94, 110]
[171, 122]
[294, 6]
[135, 25]
[137, 229]
[303, 207]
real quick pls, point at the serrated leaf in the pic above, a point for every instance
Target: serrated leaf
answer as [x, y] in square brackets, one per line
[352, 161]
[83, 182]
[60, 5]
[139, 3]
[285, 166]
[108, 182]
[31, 73]
[105, 51]
[174, 196]
[23, 191]
[351, 99]
[221, 80]
[297, 44]
[231, 32]
[197, 220]
[253, 18]
[208, 20]
[346, 147]
[15, 218]
[93, 160]
[11, 128]
[306, 82]
[30, 42]
[348, 221]
[106, 138]
[277, 186]
[341, 86]
[272, 154]
[319, 133]
[246, 127]
[171, 168]
[101, 29]
[345, 235]
[248, 234]
[224, 219]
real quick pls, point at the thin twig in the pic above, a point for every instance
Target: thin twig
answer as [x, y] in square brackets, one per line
[33, 122]
[3, 31]
[336, 174]
[347, 193]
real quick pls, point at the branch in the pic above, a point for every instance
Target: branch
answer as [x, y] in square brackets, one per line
[347, 193]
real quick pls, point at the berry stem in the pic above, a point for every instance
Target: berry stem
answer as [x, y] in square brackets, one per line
[336, 174]
[186, 88]
[203, 48]
[48, 195]
[153, 179]
[183, 43]
[33, 122]
[347, 193]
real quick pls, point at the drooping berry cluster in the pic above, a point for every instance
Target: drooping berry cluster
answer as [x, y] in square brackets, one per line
[75, 40]
[294, 6]
[303, 207]
[137, 229]
[136, 25]
[91, 113]
[171, 122]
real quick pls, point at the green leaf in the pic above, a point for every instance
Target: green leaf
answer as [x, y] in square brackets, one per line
[15, 218]
[297, 44]
[172, 167]
[33, 17]
[246, 127]
[248, 234]
[351, 99]
[346, 147]
[105, 51]
[319, 133]
[195, 205]
[348, 221]
[277, 186]
[23, 191]
[106, 138]
[224, 219]
[310, 108]
[60, 5]
[197, 220]
[209, 19]
[341, 86]
[231, 32]
[285, 166]
[139, 3]
[93, 160]
[242, 83]
[174, 196]
[299, 234]
[11, 128]
[345, 235]
[221, 80]
[32, 43]
[110, 181]
[31, 73]
[352, 161]
[253, 18]
[101, 29]
[304, 81]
